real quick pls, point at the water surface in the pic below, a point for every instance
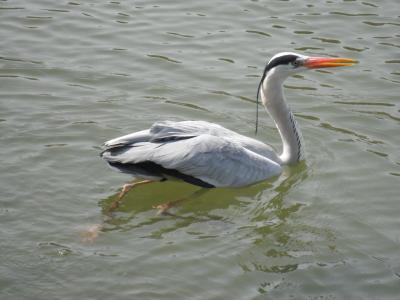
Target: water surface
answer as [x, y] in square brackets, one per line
[74, 74]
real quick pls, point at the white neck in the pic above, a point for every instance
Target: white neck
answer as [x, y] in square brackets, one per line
[274, 101]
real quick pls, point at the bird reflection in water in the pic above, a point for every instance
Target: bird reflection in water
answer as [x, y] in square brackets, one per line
[200, 206]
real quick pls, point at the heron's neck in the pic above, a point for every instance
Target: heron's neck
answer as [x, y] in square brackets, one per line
[274, 101]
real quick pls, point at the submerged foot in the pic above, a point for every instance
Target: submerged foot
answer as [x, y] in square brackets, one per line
[162, 209]
[90, 234]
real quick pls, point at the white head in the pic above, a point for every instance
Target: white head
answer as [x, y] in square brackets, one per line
[285, 64]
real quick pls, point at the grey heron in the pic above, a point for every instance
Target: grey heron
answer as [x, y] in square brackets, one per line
[209, 155]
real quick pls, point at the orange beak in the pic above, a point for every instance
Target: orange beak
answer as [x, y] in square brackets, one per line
[328, 62]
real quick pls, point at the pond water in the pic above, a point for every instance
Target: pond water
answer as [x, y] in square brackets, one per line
[74, 74]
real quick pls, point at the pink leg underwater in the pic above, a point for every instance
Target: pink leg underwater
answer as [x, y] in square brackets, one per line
[127, 187]
[91, 233]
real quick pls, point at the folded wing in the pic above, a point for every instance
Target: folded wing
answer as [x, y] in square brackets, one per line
[201, 158]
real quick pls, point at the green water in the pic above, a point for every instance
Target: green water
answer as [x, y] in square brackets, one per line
[74, 74]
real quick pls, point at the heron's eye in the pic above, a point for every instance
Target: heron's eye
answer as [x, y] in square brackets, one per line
[295, 63]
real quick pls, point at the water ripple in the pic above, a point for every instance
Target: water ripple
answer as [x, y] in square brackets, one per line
[180, 35]
[188, 105]
[259, 32]
[353, 14]
[164, 58]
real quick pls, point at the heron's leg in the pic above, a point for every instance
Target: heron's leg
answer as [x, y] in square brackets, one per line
[163, 208]
[91, 233]
[127, 187]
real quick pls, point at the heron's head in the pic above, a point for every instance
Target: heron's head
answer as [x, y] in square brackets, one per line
[285, 64]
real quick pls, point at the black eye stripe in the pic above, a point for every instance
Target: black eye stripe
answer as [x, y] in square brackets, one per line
[282, 60]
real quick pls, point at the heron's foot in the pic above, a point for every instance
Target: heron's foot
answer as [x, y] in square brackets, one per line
[90, 234]
[162, 209]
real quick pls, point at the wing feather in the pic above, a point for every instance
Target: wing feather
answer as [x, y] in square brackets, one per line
[165, 131]
[218, 161]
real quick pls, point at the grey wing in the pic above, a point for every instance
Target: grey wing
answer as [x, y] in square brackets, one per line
[129, 139]
[167, 129]
[162, 131]
[217, 161]
[146, 142]
[220, 161]
[170, 130]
